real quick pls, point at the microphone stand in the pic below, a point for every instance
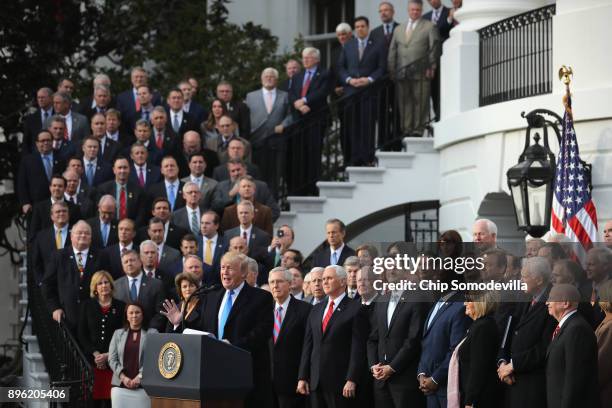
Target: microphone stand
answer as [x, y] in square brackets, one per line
[202, 290]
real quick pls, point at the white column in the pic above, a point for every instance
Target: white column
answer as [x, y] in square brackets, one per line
[459, 64]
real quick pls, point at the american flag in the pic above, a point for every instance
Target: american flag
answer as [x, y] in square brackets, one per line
[573, 212]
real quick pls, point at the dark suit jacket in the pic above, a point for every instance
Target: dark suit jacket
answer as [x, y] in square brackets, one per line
[103, 173]
[65, 151]
[211, 272]
[478, 381]
[86, 200]
[378, 34]
[526, 346]
[188, 123]
[249, 326]
[152, 176]
[96, 328]
[111, 260]
[262, 220]
[80, 126]
[197, 112]
[258, 241]
[41, 216]
[150, 295]
[318, 90]
[287, 351]
[127, 105]
[397, 344]
[443, 26]
[32, 181]
[135, 199]
[62, 286]
[159, 190]
[220, 172]
[42, 250]
[330, 359]
[372, 64]
[322, 256]
[111, 150]
[239, 111]
[173, 239]
[32, 125]
[447, 329]
[96, 233]
[571, 366]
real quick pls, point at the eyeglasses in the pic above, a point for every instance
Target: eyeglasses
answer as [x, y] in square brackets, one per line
[45, 140]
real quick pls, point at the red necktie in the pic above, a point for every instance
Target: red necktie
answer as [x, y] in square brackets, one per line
[556, 332]
[306, 84]
[141, 179]
[159, 141]
[66, 132]
[328, 315]
[137, 102]
[122, 204]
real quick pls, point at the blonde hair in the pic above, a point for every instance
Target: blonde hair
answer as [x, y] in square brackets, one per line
[484, 304]
[96, 278]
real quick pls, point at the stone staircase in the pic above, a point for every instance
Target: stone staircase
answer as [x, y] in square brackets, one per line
[401, 177]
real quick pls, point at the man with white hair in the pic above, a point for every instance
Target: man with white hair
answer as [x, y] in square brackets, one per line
[308, 96]
[316, 286]
[100, 102]
[330, 369]
[484, 234]
[290, 318]
[270, 114]
[607, 234]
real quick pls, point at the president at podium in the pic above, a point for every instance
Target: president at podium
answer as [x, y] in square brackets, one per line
[240, 315]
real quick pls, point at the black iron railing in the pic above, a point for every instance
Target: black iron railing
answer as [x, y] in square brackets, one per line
[313, 148]
[64, 360]
[516, 57]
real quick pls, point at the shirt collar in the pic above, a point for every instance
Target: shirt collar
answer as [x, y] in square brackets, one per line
[336, 300]
[175, 183]
[128, 246]
[284, 305]
[248, 230]
[83, 252]
[567, 316]
[236, 290]
[137, 278]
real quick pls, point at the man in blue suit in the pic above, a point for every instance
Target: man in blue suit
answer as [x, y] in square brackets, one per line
[445, 326]
[361, 63]
[211, 247]
[127, 101]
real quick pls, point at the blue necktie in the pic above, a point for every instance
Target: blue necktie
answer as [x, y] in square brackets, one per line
[175, 124]
[334, 258]
[48, 165]
[90, 174]
[171, 196]
[105, 233]
[434, 312]
[133, 291]
[225, 314]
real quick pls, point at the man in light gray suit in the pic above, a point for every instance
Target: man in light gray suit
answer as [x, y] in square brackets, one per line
[413, 56]
[77, 125]
[188, 217]
[207, 185]
[136, 286]
[167, 254]
[270, 115]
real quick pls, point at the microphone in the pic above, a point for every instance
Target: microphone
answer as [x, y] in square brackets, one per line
[202, 290]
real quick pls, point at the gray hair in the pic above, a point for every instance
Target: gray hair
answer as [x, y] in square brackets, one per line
[352, 261]
[105, 198]
[142, 122]
[602, 254]
[81, 222]
[65, 97]
[46, 89]
[159, 109]
[343, 28]
[192, 256]
[147, 242]
[312, 51]
[316, 269]
[191, 183]
[340, 271]
[271, 70]
[538, 266]
[58, 118]
[287, 275]
[252, 265]
[491, 226]
[101, 79]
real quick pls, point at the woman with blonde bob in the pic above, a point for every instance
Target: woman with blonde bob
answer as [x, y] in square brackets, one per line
[100, 316]
[186, 284]
[604, 344]
[472, 377]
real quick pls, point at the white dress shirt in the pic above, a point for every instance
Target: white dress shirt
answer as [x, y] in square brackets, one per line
[84, 254]
[138, 280]
[224, 300]
[248, 233]
[336, 303]
[284, 305]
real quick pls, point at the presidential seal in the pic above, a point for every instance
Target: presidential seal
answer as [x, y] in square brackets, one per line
[169, 360]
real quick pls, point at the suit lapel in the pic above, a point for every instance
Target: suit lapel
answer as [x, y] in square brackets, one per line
[288, 320]
[335, 316]
[398, 307]
[243, 297]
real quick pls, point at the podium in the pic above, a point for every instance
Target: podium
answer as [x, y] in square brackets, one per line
[189, 371]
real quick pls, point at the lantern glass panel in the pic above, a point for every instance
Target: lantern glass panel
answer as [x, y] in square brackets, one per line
[536, 199]
[517, 196]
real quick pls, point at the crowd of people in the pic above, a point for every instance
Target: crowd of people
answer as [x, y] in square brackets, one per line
[134, 203]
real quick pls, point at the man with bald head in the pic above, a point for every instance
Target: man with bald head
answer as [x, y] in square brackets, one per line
[571, 358]
[67, 278]
[250, 326]
[104, 225]
[330, 369]
[192, 144]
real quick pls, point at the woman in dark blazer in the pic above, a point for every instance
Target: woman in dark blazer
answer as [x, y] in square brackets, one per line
[100, 316]
[186, 284]
[478, 382]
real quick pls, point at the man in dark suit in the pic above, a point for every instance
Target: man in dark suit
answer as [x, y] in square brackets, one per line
[101, 102]
[63, 149]
[290, 317]
[77, 125]
[189, 246]
[308, 97]
[384, 31]
[142, 132]
[362, 62]
[33, 122]
[42, 210]
[445, 326]
[109, 149]
[394, 348]
[170, 188]
[336, 251]
[179, 121]
[130, 198]
[193, 108]
[211, 247]
[149, 258]
[257, 239]
[50, 240]
[35, 171]
[241, 315]
[238, 110]
[282, 241]
[111, 255]
[96, 171]
[192, 144]
[83, 197]
[66, 281]
[197, 167]
[172, 233]
[521, 361]
[104, 225]
[237, 149]
[262, 215]
[331, 368]
[142, 173]
[135, 286]
[292, 67]
[167, 255]
[571, 358]
[127, 101]
[439, 15]
[115, 131]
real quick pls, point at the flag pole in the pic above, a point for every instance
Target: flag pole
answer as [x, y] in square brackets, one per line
[565, 76]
